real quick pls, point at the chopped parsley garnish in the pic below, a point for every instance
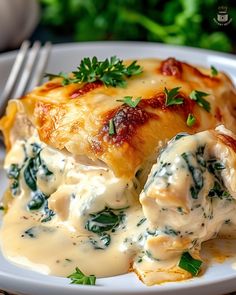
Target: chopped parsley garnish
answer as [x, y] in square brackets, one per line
[112, 72]
[198, 96]
[214, 71]
[112, 129]
[79, 278]
[191, 120]
[190, 264]
[130, 101]
[172, 96]
[1, 207]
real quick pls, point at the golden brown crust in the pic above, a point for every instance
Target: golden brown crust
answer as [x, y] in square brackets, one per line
[76, 116]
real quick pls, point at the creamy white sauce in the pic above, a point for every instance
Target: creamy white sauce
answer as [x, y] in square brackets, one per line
[76, 189]
[56, 250]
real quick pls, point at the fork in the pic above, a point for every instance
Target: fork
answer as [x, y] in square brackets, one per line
[27, 71]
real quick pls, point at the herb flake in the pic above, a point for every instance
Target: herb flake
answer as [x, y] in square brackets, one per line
[112, 129]
[172, 96]
[191, 120]
[130, 101]
[190, 264]
[141, 221]
[214, 71]
[198, 96]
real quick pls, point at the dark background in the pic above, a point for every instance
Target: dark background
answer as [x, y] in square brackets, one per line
[179, 22]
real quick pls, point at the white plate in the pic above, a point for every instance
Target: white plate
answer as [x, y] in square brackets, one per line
[218, 279]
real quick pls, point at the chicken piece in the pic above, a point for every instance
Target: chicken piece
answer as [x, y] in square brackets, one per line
[189, 196]
[76, 117]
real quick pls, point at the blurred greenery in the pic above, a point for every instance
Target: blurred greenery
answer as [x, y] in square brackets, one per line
[181, 22]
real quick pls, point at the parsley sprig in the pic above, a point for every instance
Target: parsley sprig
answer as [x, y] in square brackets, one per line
[198, 96]
[112, 72]
[79, 278]
[130, 101]
[172, 96]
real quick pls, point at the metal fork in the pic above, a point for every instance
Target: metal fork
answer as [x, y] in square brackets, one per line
[27, 71]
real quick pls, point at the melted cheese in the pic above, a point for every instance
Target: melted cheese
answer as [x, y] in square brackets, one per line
[76, 116]
[76, 189]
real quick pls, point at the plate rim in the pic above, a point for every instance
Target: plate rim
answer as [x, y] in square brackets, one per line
[62, 46]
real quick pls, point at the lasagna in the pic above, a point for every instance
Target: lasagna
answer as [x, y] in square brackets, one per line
[116, 173]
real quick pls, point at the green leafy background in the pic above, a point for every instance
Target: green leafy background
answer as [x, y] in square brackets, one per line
[180, 22]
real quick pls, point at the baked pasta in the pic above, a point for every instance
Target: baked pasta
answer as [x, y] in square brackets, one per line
[93, 171]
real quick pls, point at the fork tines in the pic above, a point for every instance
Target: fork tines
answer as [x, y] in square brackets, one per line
[27, 71]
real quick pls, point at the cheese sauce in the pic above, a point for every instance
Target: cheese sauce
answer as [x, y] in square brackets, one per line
[55, 250]
[76, 189]
[66, 212]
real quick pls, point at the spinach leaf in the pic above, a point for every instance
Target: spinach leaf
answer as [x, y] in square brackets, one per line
[48, 213]
[219, 192]
[180, 135]
[14, 171]
[200, 156]
[196, 174]
[14, 174]
[214, 166]
[170, 231]
[32, 167]
[102, 242]
[37, 201]
[30, 172]
[36, 148]
[15, 188]
[104, 220]
[45, 169]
